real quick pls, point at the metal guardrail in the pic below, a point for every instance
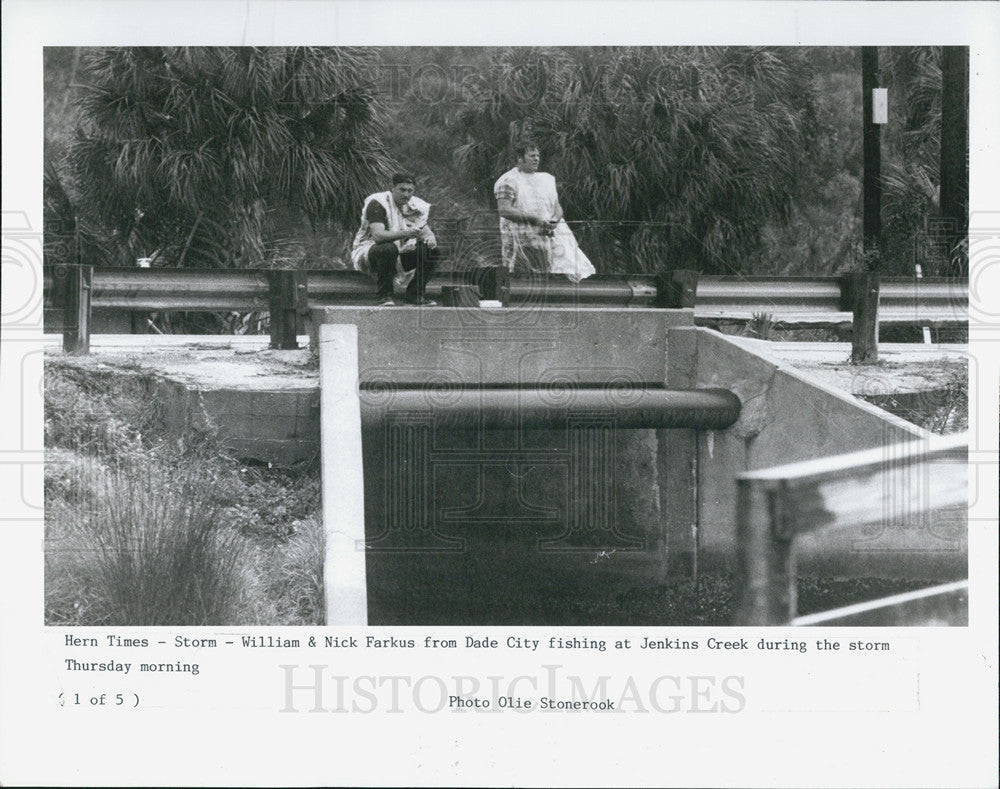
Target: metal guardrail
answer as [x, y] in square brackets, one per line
[606, 290]
[815, 301]
[776, 505]
[788, 301]
[179, 289]
[216, 289]
[247, 290]
[721, 297]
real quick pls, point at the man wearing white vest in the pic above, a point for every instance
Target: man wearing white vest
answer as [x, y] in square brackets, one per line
[395, 243]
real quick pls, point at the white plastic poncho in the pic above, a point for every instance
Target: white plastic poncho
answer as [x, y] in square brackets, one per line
[536, 192]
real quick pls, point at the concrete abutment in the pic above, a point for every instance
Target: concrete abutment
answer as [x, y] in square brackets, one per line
[472, 521]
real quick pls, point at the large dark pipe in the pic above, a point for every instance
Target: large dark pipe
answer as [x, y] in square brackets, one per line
[513, 407]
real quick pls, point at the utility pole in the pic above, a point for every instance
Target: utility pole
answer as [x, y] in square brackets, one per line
[864, 285]
[872, 153]
[954, 149]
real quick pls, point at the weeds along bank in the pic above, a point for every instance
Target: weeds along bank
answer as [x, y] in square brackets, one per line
[145, 529]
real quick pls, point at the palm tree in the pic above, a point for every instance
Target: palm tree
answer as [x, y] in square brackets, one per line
[191, 152]
[673, 157]
[916, 149]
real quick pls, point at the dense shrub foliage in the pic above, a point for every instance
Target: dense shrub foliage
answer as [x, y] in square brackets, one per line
[681, 155]
[715, 158]
[197, 152]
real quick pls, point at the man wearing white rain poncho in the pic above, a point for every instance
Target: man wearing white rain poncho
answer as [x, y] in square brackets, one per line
[534, 237]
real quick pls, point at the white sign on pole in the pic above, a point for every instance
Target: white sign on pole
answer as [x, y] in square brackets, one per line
[880, 105]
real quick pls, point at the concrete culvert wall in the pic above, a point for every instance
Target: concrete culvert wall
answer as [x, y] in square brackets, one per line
[496, 526]
[788, 416]
[537, 526]
[486, 525]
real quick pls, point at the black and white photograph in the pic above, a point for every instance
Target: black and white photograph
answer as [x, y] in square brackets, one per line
[618, 320]
[452, 377]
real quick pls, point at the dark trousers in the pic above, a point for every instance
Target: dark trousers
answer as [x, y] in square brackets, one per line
[382, 261]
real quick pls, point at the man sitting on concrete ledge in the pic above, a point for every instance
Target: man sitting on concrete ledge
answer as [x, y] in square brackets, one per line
[395, 243]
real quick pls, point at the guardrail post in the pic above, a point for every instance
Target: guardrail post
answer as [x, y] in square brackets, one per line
[301, 300]
[287, 299]
[459, 296]
[859, 294]
[766, 570]
[676, 289]
[490, 281]
[76, 310]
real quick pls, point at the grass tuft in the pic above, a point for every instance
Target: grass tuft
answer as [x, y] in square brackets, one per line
[146, 549]
[296, 574]
[145, 529]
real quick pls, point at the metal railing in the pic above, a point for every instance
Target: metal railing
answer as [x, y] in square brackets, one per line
[817, 301]
[787, 301]
[774, 506]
